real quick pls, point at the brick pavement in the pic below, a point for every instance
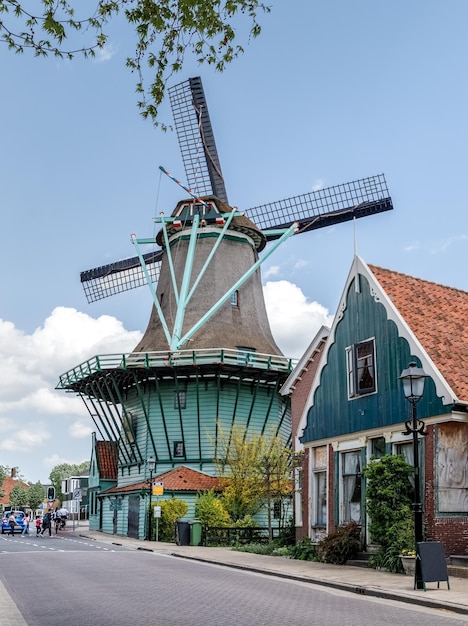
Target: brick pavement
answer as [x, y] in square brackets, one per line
[363, 581]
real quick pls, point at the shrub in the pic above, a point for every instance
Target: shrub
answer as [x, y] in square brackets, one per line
[389, 497]
[304, 550]
[210, 510]
[245, 522]
[340, 545]
[171, 510]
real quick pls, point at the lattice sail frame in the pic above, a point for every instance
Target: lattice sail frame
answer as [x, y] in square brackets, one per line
[196, 139]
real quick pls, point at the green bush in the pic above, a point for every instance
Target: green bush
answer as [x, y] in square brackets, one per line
[389, 506]
[340, 545]
[304, 550]
[257, 548]
[245, 522]
[171, 511]
[210, 510]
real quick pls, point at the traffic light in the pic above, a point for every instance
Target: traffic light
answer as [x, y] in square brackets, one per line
[50, 493]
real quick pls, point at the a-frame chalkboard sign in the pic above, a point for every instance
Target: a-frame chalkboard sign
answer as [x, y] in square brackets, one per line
[432, 563]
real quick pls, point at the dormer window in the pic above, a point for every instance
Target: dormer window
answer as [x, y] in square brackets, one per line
[360, 363]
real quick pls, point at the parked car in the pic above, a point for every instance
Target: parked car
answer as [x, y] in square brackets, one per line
[19, 515]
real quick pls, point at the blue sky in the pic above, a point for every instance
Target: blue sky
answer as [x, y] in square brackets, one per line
[330, 92]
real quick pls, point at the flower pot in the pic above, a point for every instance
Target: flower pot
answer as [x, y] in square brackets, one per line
[409, 564]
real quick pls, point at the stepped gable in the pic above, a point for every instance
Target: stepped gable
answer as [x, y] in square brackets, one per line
[437, 316]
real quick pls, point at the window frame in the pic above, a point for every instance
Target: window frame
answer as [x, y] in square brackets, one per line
[180, 400]
[353, 369]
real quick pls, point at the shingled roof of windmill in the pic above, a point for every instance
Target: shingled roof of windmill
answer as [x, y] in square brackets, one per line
[437, 316]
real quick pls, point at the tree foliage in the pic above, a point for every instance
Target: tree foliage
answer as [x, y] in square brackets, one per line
[164, 31]
[4, 471]
[18, 496]
[36, 495]
[254, 471]
[64, 471]
[389, 495]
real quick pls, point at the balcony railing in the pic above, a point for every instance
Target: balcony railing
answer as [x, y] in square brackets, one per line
[138, 360]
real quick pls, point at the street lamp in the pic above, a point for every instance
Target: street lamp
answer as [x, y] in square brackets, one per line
[413, 387]
[150, 465]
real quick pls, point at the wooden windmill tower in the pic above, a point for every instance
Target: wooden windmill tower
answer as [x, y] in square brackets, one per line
[207, 363]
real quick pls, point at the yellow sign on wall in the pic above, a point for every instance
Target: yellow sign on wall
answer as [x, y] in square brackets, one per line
[158, 489]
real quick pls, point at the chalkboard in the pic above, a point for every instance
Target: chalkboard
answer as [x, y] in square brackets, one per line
[433, 563]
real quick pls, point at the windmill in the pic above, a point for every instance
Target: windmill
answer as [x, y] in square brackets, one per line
[207, 363]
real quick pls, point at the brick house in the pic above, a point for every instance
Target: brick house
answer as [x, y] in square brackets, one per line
[7, 486]
[355, 406]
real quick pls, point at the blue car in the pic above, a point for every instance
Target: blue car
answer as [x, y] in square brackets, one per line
[19, 516]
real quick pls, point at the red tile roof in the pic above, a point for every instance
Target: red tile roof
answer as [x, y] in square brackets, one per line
[7, 486]
[438, 317]
[107, 459]
[178, 479]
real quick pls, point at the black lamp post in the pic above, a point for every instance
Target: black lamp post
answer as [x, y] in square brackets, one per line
[413, 386]
[150, 464]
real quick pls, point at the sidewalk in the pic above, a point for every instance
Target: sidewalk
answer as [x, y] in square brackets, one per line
[353, 579]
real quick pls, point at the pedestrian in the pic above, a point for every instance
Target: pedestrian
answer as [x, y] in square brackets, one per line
[12, 523]
[38, 525]
[25, 525]
[46, 524]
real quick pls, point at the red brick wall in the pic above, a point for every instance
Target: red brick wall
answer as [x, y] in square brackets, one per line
[299, 397]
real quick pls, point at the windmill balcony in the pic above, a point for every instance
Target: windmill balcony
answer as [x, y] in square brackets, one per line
[235, 359]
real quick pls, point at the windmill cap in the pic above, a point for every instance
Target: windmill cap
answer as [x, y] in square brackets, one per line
[210, 208]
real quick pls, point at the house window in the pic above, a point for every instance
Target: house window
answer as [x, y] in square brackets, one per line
[360, 363]
[277, 510]
[378, 447]
[235, 299]
[180, 399]
[407, 452]
[320, 479]
[179, 449]
[129, 424]
[319, 487]
[351, 486]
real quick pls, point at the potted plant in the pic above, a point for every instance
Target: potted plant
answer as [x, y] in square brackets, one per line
[408, 561]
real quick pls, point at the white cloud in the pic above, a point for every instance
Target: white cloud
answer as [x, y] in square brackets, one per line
[448, 242]
[318, 184]
[294, 320]
[104, 54]
[411, 247]
[36, 420]
[274, 270]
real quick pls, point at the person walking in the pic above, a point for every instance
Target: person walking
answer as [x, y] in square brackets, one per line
[38, 525]
[12, 523]
[46, 524]
[25, 525]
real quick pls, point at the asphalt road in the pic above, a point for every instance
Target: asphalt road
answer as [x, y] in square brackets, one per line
[75, 581]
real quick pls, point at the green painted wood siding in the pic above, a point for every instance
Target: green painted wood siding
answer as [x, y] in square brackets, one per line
[332, 414]
[211, 407]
